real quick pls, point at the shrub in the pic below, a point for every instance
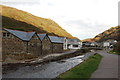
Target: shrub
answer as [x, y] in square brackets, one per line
[117, 47]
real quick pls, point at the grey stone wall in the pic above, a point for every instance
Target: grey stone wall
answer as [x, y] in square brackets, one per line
[57, 47]
[46, 46]
[34, 46]
[13, 45]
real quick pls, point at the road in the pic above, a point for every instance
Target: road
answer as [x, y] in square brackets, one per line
[108, 68]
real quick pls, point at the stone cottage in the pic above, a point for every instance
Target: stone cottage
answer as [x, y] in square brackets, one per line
[16, 42]
[46, 44]
[57, 44]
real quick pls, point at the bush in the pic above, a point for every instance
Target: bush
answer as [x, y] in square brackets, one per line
[117, 47]
[114, 52]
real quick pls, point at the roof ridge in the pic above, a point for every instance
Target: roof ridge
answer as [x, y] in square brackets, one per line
[19, 30]
[41, 33]
[22, 35]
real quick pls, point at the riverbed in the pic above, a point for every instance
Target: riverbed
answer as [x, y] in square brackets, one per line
[47, 70]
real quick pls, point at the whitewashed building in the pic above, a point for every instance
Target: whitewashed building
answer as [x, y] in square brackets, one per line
[106, 44]
[71, 43]
[94, 44]
[74, 44]
[64, 40]
[109, 43]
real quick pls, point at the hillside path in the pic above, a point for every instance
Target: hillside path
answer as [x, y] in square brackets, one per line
[108, 68]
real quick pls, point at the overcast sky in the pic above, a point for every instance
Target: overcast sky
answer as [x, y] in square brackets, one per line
[81, 18]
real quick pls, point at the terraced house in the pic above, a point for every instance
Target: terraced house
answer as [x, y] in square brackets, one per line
[57, 44]
[16, 42]
[20, 42]
[46, 44]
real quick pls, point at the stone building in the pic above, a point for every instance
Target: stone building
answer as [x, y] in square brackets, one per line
[16, 42]
[57, 44]
[34, 45]
[46, 44]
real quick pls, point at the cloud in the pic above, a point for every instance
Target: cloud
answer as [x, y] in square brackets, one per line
[84, 30]
[81, 18]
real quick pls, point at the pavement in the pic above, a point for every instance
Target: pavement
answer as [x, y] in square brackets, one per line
[108, 68]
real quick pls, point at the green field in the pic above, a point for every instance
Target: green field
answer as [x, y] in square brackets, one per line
[114, 52]
[83, 70]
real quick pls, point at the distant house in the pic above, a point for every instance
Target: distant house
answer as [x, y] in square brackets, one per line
[46, 44]
[16, 42]
[86, 44]
[90, 44]
[109, 43]
[57, 44]
[106, 44]
[74, 43]
[94, 44]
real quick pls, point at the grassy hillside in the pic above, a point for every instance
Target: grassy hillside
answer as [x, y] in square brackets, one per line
[89, 40]
[112, 33]
[43, 24]
[18, 25]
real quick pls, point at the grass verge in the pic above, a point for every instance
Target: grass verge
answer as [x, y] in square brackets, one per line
[83, 70]
[114, 52]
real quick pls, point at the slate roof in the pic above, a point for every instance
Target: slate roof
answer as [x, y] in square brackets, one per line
[55, 39]
[62, 39]
[73, 40]
[41, 36]
[26, 36]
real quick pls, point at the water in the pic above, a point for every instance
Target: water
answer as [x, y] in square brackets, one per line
[48, 70]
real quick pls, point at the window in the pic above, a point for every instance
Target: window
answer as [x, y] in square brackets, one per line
[75, 45]
[4, 35]
[8, 34]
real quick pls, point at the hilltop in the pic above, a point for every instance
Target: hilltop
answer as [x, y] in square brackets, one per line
[27, 22]
[88, 40]
[112, 33]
